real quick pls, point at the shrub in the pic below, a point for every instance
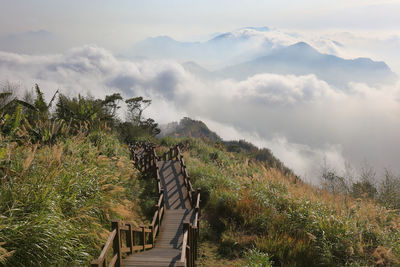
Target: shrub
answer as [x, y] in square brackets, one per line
[56, 201]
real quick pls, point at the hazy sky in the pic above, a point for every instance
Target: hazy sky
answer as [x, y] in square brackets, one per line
[120, 23]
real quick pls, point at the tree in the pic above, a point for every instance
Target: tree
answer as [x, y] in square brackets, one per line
[110, 105]
[11, 112]
[136, 106]
[366, 186]
[43, 108]
[136, 126]
[389, 191]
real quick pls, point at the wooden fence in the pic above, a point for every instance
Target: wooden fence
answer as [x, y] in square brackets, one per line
[124, 236]
[190, 230]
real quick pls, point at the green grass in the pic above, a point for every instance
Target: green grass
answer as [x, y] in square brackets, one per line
[248, 203]
[56, 201]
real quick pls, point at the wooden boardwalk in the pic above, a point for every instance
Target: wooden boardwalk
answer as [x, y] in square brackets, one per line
[168, 245]
[171, 238]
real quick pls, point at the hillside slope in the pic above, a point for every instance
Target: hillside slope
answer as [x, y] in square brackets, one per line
[188, 127]
[256, 213]
[56, 201]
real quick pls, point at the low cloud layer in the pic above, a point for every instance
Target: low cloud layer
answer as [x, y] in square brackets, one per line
[300, 118]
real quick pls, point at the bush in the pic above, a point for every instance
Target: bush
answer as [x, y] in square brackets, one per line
[249, 204]
[256, 258]
[56, 201]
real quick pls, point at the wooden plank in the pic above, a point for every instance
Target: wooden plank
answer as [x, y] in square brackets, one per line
[154, 218]
[136, 248]
[113, 261]
[107, 246]
[184, 245]
[174, 207]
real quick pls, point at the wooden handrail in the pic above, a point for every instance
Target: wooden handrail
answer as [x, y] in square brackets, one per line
[147, 162]
[153, 223]
[184, 241]
[101, 259]
[190, 231]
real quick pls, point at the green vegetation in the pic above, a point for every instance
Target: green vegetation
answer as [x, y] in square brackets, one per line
[248, 203]
[190, 128]
[64, 175]
[384, 190]
[56, 201]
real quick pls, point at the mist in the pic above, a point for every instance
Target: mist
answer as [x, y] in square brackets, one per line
[302, 119]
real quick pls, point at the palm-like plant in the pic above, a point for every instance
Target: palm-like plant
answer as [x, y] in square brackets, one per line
[11, 114]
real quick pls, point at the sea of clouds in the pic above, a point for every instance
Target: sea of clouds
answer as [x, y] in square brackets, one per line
[303, 120]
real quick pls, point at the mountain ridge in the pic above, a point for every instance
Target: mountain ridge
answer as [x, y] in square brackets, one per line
[248, 51]
[303, 59]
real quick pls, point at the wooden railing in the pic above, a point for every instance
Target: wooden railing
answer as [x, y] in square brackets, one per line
[144, 156]
[190, 230]
[190, 248]
[174, 153]
[125, 237]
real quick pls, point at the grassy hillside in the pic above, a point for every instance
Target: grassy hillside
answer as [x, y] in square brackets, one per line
[188, 127]
[250, 204]
[57, 200]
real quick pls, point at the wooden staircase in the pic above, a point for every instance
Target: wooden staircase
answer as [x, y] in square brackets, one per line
[172, 237]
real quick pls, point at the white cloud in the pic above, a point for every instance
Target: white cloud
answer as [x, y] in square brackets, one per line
[300, 118]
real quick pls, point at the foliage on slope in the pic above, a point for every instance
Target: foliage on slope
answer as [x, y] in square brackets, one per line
[64, 175]
[251, 205]
[57, 200]
[188, 127]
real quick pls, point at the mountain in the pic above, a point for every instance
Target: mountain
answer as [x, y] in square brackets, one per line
[220, 51]
[248, 51]
[188, 127]
[198, 70]
[302, 59]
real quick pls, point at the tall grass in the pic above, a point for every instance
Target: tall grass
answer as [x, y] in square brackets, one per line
[249, 204]
[56, 201]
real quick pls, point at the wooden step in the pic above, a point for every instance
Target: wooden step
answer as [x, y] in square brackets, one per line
[178, 210]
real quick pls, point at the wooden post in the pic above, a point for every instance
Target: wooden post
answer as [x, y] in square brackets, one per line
[133, 238]
[117, 242]
[129, 238]
[158, 217]
[144, 237]
[192, 247]
[186, 228]
[198, 193]
[152, 235]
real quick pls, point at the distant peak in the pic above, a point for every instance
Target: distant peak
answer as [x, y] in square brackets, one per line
[303, 46]
[259, 29]
[222, 36]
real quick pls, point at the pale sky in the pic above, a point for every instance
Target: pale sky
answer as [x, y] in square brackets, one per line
[118, 24]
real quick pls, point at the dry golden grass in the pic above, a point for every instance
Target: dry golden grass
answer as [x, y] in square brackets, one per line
[209, 257]
[247, 194]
